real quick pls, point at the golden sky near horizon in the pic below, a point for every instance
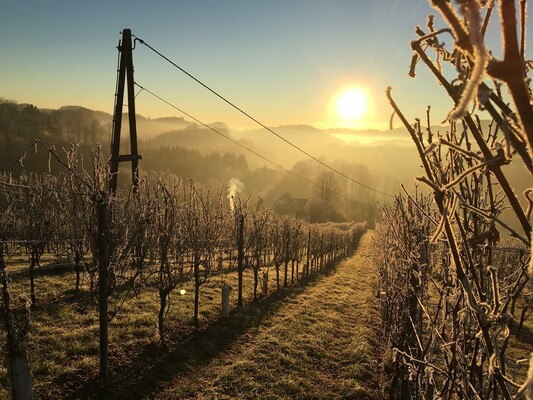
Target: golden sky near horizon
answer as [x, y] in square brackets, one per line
[296, 62]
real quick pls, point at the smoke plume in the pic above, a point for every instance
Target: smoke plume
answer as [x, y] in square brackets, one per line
[234, 186]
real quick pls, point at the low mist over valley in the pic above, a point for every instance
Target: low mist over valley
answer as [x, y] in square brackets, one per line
[175, 147]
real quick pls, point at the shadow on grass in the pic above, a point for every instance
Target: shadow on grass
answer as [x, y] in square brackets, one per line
[151, 369]
[58, 269]
[63, 271]
[524, 335]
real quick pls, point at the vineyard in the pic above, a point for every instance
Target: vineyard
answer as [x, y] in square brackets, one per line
[174, 289]
[163, 252]
[455, 289]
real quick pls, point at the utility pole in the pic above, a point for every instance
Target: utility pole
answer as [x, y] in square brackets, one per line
[124, 77]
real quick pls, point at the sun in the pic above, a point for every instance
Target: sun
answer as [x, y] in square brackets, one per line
[351, 104]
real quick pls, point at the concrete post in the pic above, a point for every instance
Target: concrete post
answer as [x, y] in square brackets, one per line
[225, 300]
[265, 283]
[19, 371]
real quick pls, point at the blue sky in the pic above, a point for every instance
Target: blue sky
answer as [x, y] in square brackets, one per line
[283, 61]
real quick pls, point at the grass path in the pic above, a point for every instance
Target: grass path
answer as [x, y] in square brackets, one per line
[318, 344]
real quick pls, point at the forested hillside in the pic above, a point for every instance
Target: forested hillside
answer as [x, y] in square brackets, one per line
[189, 152]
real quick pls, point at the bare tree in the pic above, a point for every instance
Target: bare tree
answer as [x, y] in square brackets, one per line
[257, 241]
[37, 207]
[169, 237]
[328, 187]
[203, 221]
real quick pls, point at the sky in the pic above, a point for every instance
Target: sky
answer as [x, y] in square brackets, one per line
[283, 61]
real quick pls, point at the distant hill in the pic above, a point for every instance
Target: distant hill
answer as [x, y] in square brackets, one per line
[381, 159]
[24, 123]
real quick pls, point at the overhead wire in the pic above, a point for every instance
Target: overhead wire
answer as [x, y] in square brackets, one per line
[221, 134]
[234, 141]
[257, 121]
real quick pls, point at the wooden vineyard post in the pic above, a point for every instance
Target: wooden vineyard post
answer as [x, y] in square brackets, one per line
[264, 291]
[102, 283]
[196, 289]
[308, 253]
[33, 264]
[240, 257]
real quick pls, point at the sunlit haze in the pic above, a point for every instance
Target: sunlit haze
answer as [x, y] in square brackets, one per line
[280, 61]
[289, 199]
[351, 104]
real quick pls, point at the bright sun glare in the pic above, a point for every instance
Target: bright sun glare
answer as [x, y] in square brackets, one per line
[351, 104]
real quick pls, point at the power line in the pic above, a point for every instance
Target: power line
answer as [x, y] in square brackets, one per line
[234, 141]
[224, 136]
[48, 189]
[52, 152]
[257, 121]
